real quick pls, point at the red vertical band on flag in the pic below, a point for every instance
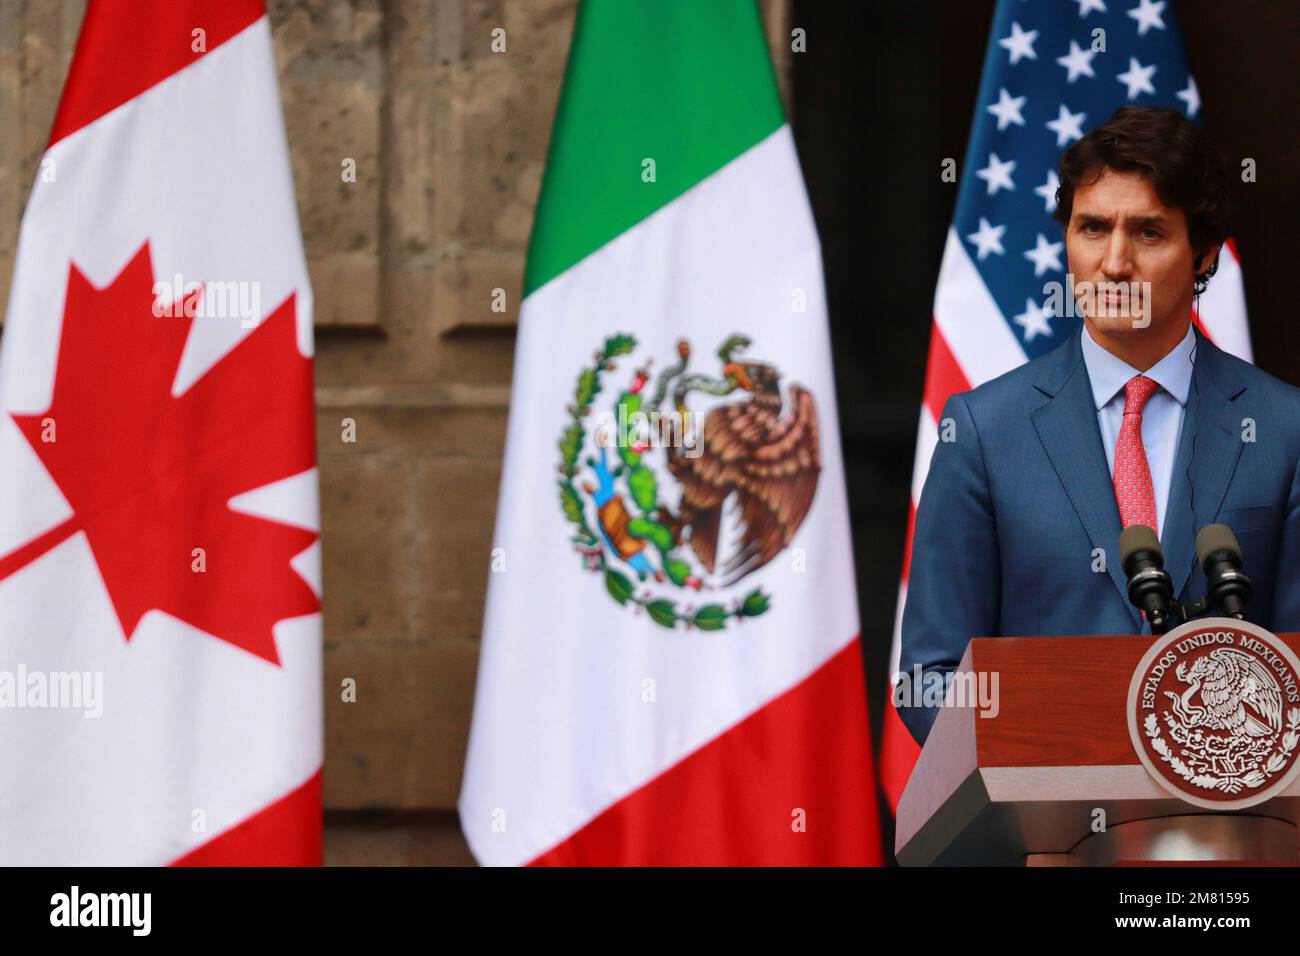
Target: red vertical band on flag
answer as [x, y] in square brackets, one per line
[898, 754]
[790, 785]
[286, 833]
[907, 543]
[943, 376]
[128, 46]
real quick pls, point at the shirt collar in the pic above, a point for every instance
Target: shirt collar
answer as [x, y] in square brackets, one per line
[1108, 373]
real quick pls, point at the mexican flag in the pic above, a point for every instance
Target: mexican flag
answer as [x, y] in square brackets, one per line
[160, 646]
[670, 670]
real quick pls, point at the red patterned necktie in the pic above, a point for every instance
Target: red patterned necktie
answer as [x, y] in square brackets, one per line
[1133, 489]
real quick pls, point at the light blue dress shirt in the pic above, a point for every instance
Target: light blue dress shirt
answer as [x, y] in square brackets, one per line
[1162, 416]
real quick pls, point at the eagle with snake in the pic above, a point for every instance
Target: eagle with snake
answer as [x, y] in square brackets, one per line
[760, 453]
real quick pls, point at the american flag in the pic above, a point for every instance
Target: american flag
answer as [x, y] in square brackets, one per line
[1053, 69]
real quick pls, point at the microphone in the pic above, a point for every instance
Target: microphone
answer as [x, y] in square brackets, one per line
[1227, 586]
[1149, 585]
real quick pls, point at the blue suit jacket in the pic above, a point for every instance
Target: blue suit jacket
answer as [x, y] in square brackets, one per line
[1014, 506]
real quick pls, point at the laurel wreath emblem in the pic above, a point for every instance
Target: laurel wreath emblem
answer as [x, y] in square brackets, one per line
[641, 487]
[1231, 783]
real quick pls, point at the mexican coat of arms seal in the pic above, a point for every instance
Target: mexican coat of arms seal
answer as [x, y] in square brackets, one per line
[648, 478]
[1214, 713]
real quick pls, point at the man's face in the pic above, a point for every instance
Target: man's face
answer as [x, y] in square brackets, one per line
[1133, 252]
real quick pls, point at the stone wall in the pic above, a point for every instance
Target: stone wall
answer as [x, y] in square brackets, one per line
[448, 140]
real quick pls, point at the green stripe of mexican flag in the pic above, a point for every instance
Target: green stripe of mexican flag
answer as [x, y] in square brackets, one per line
[693, 92]
[670, 670]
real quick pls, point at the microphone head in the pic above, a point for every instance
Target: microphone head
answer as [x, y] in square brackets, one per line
[1216, 537]
[1139, 537]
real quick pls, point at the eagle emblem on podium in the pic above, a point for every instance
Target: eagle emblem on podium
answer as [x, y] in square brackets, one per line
[1214, 713]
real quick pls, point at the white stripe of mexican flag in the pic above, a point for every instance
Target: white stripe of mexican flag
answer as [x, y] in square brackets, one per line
[623, 713]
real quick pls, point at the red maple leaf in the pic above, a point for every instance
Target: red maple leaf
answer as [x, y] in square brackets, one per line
[149, 477]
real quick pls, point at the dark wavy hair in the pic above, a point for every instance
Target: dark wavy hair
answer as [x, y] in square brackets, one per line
[1175, 156]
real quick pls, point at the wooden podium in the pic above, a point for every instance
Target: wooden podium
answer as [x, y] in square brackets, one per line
[1026, 786]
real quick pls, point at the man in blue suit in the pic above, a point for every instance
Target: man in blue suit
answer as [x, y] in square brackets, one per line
[1138, 419]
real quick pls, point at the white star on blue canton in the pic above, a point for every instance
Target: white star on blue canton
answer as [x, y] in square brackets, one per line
[1067, 126]
[1078, 61]
[1191, 96]
[988, 239]
[1137, 78]
[1087, 6]
[1020, 44]
[1147, 14]
[1048, 191]
[1007, 109]
[998, 174]
[1033, 320]
[1045, 255]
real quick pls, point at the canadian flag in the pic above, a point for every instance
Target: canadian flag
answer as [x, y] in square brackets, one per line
[160, 652]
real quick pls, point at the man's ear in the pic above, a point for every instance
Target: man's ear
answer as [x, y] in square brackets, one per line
[1205, 260]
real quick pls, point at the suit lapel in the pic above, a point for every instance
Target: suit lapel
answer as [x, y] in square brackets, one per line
[1209, 448]
[1067, 427]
